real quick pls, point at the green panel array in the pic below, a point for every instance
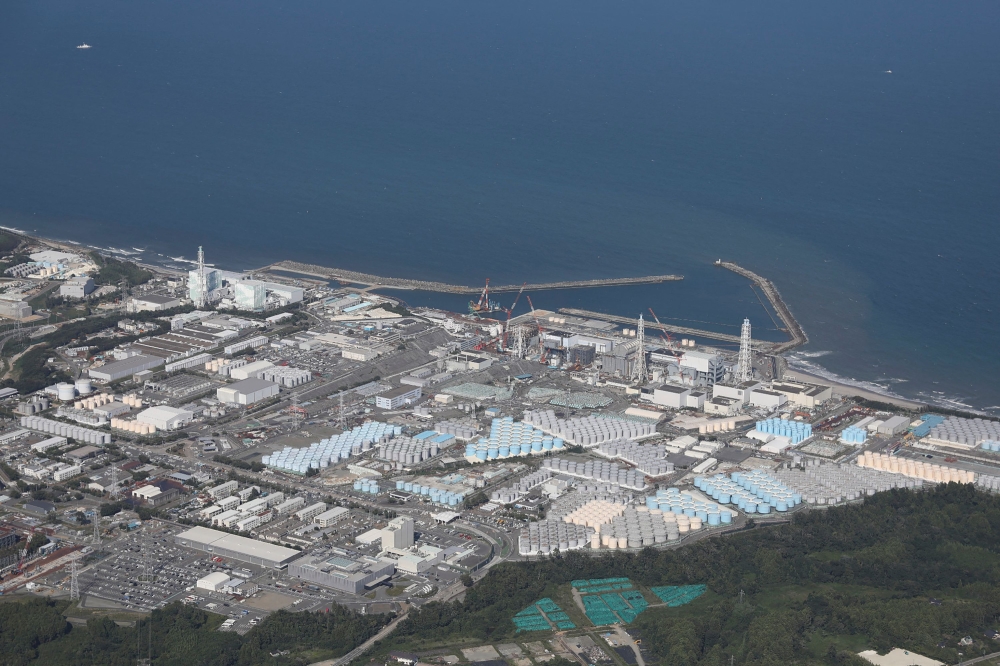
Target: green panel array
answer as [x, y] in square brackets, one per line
[597, 585]
[615, 602]
[635, 600]
[674, 596]
[533, 618]
[598, 611]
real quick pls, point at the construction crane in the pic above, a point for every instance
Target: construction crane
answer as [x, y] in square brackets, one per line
[663, 334]
[506, 325]
[484, 304]
[541, 342]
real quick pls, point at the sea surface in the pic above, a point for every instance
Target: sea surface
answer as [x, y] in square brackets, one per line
[849, 151]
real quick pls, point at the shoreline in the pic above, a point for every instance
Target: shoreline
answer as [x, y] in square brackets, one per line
[847, 390]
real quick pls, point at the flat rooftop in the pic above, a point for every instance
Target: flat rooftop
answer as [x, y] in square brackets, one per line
[250, 547]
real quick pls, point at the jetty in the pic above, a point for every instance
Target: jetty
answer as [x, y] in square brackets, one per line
[797, 336]
[374, 281]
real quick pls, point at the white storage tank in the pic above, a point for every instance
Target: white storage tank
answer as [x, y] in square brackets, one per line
[84, 386]
[65, 391]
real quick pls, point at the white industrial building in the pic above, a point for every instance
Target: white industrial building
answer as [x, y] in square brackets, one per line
[77, 287]
[287, 294]
[250, 370]
[235, 547]
[767, 399]
[112, 372]
[311, 511]
[66, 472]
[330, 517]
[165, 418]
[740, 392]
[249, 295]
[247, 392]
[249, 343]
[359, 353]
[14, 309]
[152, 303]
[222, 490]
[213, 582]
[398, 533]
[669, 395]
[802, 394]
[397, 397]
[289, 505]
[342, 573]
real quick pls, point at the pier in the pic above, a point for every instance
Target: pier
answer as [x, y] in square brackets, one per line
[797, 336]
[375, 281]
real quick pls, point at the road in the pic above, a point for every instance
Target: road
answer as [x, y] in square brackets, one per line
[979, 659]
[364, 647]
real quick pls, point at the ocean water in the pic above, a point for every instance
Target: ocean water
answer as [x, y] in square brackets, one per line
[545, 141]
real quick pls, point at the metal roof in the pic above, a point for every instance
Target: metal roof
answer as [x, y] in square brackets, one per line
[243, 545]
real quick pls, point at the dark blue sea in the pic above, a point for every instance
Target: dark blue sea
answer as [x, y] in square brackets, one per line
[850, 151]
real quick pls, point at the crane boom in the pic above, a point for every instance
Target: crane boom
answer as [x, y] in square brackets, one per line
[506, 326]
[663, 334]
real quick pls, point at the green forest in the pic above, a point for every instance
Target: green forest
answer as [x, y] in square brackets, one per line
[904, 569]
[913, 570]
[35, 632]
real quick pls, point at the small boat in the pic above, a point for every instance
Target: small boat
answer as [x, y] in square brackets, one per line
[84, 46]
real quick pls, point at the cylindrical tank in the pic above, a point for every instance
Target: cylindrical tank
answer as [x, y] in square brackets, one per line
[65, 391]
[84, 385]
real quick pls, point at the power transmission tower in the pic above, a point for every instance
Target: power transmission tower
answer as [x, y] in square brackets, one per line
[97, 530]
[296, 413]
[74, 584]
[639, 372]
[744, 365]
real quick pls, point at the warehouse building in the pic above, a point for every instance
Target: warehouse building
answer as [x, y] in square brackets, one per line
[247, 392]
[165, 418]
[250, 370]
[235, 547]
[152, 303]
[14, 309]
[112, 372]
[341, 573]
[213, 582]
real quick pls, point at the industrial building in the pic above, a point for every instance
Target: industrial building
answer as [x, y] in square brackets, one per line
[213, 582]
[200, 290]
[359, 353]
[112, 372]
[330, 517]
[767, 399]
[152, 303]
[249, 295]
[165, 418]
[14, 309]
[397, 397]
[222, 490]
[77, 287]
[341, 573]
[61, 429]
[740, 392]
[235, 547]
[250, 370]
[247, 392]
[398, 533]
[311, 511]
[802, 394]
[668, 395]
[254, 342]
[285, 293]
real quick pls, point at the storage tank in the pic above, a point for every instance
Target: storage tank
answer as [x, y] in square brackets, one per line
[84, 385]
[65, 391]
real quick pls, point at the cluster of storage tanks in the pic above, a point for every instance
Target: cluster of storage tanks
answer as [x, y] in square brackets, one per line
[751, 492]
[408, 450]
[797, 431]
[826, 484]
[216, 364]
[725, 425]
[35, 405]
[96, 401]
[853, 435]
[436, 495]
[133, 426]
[508, 439]
[514, 492]
[321, 454]
[916, 469]
[672, 500]
[599, 470]
[64, 430]
[369, 486]
[638, 527]
[588, 430]
[545, 536]
[48, 271]
[970, 432]
[67, 392]
[459, 430]
[132, 400]
[650, 459]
